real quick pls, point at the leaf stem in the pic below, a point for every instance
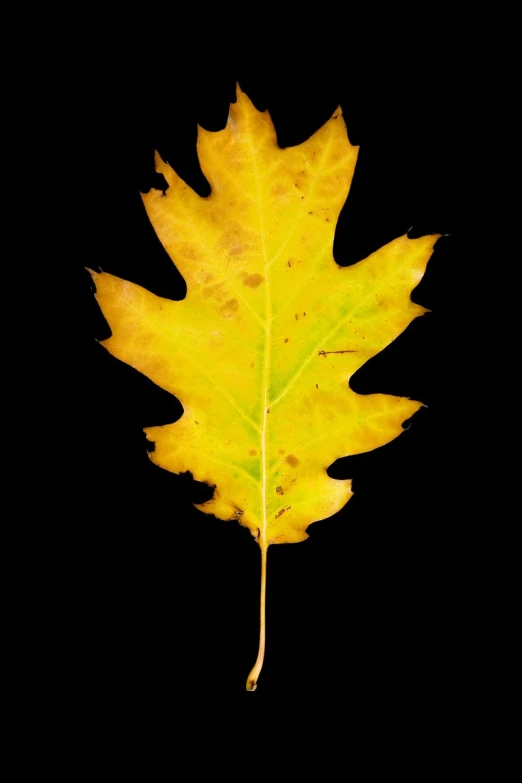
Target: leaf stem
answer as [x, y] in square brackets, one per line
[251, 683]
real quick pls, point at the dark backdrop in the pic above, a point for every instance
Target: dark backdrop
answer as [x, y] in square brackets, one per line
[380, 609]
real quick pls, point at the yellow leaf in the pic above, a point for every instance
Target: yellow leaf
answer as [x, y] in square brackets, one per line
[261, 351]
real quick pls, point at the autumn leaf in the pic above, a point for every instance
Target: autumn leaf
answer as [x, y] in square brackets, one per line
[261, 351]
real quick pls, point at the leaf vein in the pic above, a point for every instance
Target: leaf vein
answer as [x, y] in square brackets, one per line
[219, 266]
[305, 200]
[324, 339]
[195, 363]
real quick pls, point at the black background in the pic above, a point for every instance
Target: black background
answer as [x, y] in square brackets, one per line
[382, 610]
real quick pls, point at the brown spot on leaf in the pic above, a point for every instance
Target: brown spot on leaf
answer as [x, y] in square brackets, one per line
[292, 460]
[238, 512]
[281, 451]
[280, 490]
[286, 339]
[252, 452]
[325, 353]
[252, 280]
[282, 511]
[213, 290]
[235, 250]
[229, 309]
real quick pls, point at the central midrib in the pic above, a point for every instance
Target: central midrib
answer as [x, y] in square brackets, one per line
[266, 369]
[268, 319]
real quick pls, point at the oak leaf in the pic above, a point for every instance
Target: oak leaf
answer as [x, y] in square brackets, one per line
[261, 351]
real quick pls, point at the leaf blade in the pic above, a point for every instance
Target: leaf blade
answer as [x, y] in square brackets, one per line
[272, 329]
